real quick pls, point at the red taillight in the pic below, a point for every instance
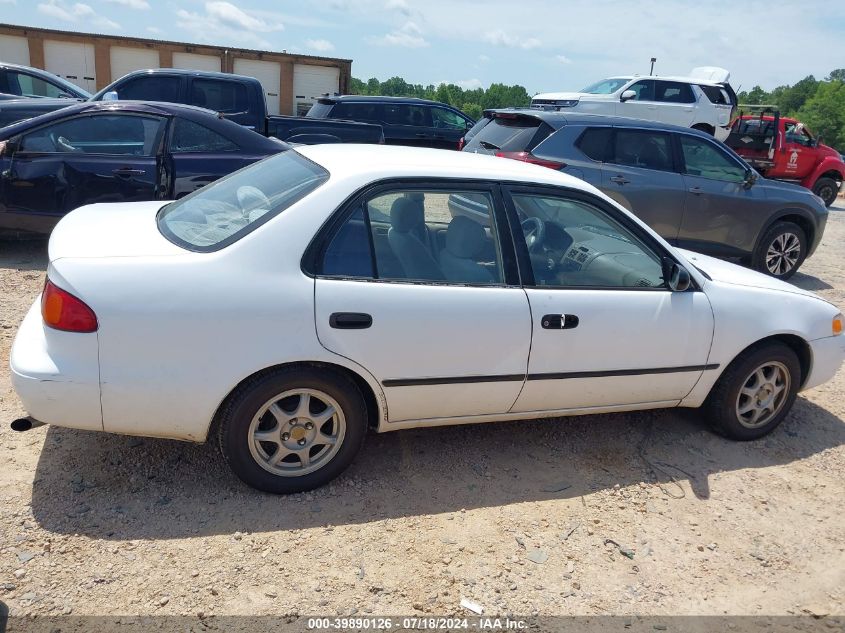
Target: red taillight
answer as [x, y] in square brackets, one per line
[62, 311]
[528, 157]
[461, 143]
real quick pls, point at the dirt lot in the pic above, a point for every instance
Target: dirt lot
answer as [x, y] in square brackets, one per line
[514, 516]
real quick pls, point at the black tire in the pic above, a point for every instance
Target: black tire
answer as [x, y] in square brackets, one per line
[827, 190]
[703, 127]
[236, 417]
[780, 234]
[723, 404]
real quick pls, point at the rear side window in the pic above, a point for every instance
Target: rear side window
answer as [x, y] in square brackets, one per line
[150, 88]
[673, 92]
[402, 114]
[594, 142]
[29, 86]
[368, 112]
[716, 94]
[509, 134]
[639, 148]
[193, 137]
[220, 96]
[221, 213]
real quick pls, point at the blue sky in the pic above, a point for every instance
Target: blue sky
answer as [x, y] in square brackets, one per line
[541, 45]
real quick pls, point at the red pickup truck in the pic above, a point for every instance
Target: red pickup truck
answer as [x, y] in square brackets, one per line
[783, 148]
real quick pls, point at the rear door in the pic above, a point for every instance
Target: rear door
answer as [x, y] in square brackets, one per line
[198, 155]
[408, 124]
[722, 216]
[640, 174]
[101, 157]
[677, 102]
[429, 305]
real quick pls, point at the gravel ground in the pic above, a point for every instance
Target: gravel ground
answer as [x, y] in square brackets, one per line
[643, 513]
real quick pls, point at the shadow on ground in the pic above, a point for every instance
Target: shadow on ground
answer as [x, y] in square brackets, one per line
[116, 487]
[809, 282]
[24, 254]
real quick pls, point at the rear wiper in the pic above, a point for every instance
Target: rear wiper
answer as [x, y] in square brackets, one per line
[487, 145]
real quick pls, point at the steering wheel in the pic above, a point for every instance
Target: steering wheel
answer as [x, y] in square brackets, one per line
[534, 230]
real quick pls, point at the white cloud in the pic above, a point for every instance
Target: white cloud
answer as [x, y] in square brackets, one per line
[483, 59]
[398, 5]
[224, 22]
[563, 59]
[132, 4]
[76, 13]
[501, 38]
[409, 36]
[154, 30]
[322, 46]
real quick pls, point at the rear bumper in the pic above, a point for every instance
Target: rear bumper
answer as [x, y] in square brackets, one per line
[56, 374]
[722, 132]
[828, 355]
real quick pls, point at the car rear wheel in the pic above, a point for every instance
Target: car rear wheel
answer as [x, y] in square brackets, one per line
[755, 393]
[826, 189]
[293, 430]
[781, 250]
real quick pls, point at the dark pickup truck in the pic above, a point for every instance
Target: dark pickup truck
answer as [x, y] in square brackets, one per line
[235, 97]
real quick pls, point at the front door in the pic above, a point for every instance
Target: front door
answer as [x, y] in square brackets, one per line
[426, 302]
[642, 106]
[722, 215]
[640, 174]
[606, 330]
[87, 159]
[799, 153]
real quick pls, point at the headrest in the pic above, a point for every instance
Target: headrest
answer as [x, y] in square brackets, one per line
[406, 215]
[465, 238]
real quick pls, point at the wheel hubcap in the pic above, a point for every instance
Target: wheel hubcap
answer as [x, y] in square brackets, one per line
[763, 394]
[296, 432]
[783, 253]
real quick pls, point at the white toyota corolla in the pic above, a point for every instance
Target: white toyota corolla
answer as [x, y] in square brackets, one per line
[330, 289]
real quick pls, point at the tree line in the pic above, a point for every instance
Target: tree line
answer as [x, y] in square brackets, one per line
[818, 103]
[470, 101]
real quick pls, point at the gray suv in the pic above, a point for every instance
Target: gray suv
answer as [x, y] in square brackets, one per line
[693, 190]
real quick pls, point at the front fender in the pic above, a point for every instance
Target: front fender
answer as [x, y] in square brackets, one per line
[829, 164]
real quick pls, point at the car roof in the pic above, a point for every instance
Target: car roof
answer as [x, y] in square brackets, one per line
[557, 120]
[378, 162]
[379, 99]
[186, 72]
[686, 80]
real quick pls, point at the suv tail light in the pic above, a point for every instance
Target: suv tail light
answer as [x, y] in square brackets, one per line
[461, 143]
[528, 157]
[62, 311]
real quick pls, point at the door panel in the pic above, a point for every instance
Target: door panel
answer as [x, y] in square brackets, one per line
[432, 334]
[643, 106]
[640, 176]
[619, 334]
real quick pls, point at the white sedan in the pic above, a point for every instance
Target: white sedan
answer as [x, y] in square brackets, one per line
[330, 289]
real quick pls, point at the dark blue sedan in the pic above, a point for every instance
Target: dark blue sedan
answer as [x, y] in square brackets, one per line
[115, 152]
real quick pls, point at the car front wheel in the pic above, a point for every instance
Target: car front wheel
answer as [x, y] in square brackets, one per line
[781, 250]
[755, 393]
[293, 429]
[826, 189]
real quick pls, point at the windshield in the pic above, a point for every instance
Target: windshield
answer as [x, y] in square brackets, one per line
[605, 86]
[223, 212]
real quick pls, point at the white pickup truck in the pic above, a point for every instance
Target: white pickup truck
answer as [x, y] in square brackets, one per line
[704, 100]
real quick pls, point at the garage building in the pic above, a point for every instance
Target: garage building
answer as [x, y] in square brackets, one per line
[291, 82]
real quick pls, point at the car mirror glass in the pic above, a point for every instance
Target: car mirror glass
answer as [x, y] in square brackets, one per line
[677, 277]
[750, 178]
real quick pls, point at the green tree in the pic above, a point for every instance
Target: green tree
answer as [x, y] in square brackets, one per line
[824, 113]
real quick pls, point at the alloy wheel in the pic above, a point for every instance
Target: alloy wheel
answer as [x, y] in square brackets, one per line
[763, 394]
[783, 254]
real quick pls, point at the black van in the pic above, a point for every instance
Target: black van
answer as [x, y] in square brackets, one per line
[405, 120]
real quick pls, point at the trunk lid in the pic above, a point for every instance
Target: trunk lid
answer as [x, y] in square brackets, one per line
[710, 73]
[127, 229]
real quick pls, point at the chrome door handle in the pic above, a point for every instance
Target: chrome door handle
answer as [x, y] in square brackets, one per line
[696, 190]
[620, 180]
[125, 172]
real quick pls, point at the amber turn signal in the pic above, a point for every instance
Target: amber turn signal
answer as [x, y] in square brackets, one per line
[837, 324]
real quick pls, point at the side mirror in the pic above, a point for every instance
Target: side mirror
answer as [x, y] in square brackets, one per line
[750, 179]
[10, 146]
[677, 277]
[628, 95]
[111, 95]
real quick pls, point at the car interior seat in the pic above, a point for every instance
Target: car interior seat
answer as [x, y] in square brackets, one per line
[464, 244]
[414, 256]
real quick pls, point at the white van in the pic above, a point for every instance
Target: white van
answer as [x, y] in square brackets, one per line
[704, 100]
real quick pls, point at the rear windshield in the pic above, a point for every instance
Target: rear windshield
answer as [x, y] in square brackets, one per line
[223, 212]
[518, 134]
[716, 94]
[320, 110]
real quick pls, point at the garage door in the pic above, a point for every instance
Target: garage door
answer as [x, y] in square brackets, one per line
[192, 61]
[73, 61]
[310, 82]
[268, 73]
[125, 59]
[14, 50]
